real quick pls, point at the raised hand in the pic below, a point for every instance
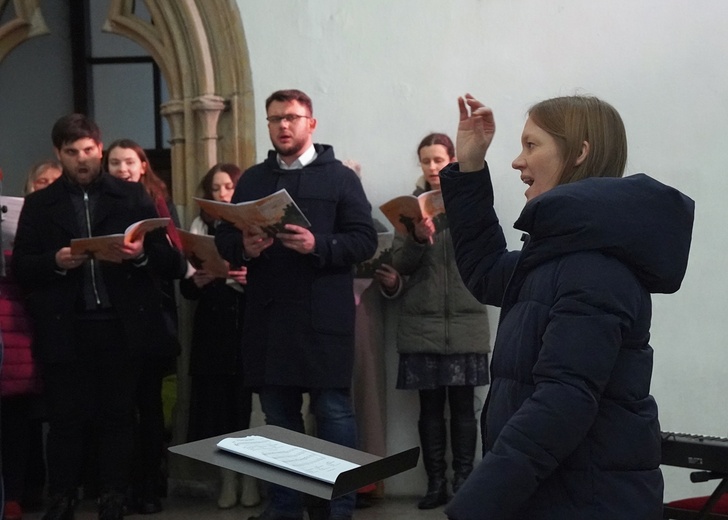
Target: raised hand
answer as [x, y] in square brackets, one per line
[475, 133]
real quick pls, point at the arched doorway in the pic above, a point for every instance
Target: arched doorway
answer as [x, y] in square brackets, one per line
[200, 48]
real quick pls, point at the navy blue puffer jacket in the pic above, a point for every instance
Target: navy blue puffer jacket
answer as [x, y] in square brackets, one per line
[571, 430]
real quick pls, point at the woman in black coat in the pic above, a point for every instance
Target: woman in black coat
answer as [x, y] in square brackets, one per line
[219, 401]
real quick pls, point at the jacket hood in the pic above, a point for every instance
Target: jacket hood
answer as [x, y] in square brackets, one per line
[645, 224]
[324, 155]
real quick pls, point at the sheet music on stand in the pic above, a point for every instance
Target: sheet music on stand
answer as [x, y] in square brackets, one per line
[293, 458]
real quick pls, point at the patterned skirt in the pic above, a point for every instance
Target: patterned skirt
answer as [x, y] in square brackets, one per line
[430, 371]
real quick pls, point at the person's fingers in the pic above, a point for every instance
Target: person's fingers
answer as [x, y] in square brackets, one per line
[463, 109]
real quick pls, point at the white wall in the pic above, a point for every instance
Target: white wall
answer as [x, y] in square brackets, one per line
[382, 74]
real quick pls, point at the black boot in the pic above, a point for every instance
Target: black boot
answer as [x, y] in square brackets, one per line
[111, 506]
[149, 502]
[61, 507]
[463, 433]
[434, 440]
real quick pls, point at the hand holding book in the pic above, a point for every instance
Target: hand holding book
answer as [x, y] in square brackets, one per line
[407, 211]
[117, 247]
[267, 215]
[202, 253]
[424, 230]
[297, 238]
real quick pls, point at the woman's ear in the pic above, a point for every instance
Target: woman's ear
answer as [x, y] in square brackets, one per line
[584, 153]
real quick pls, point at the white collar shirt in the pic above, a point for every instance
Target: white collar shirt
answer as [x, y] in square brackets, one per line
[304, 159]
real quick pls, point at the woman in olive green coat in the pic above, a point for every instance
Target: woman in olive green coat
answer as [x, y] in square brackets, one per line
[443, 335]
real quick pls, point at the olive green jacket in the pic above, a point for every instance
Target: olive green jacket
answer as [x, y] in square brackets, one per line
[437, 313]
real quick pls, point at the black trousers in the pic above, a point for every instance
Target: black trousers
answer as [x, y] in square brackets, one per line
[23, 465]
[149, 438]
[93, 393]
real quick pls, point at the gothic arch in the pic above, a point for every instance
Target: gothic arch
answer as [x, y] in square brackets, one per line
[200, 48]
[28, 22]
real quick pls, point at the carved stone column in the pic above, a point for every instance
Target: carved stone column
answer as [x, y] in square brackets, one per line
[208, 108]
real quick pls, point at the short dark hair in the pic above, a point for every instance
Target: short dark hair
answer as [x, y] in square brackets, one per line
[436, 138]
[290, 95]
[73, 127]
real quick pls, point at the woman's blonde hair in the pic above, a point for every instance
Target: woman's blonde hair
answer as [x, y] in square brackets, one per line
[571, 120]
[36, 171]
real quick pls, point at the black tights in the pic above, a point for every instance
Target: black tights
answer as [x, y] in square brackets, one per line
[432, 403]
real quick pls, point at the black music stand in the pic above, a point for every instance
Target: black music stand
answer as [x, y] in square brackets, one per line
[371, 467]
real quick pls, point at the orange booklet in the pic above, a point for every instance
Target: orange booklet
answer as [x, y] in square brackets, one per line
[269, 214]
[403, 212]
[202, 253]
[100, 248]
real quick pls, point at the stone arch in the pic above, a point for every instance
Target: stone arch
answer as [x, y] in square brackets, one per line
[199, 45]
[200, 48]
[28, 22]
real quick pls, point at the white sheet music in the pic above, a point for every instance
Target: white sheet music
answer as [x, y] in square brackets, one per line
[287, 456]
[10, 219]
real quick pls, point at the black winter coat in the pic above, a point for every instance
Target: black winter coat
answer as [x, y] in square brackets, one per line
[299, 316]
[217, 326]
[47, 223]
[571, 430]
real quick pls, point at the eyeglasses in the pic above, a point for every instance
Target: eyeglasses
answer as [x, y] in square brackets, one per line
[289, 118]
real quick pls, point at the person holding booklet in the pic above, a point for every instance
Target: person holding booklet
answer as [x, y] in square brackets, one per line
[127, 160]
[91, 319]
[21, 412]
[298, 331]
[220, 401]
[443, 334]
[570, 427]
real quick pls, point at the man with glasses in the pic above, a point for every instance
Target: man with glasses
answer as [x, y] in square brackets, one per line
[298, 331]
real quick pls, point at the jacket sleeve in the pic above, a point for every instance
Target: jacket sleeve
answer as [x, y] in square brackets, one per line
[353, 238]
[407, 254]
[597, 303]
[165, 260]
[33, 260]
[480, 246]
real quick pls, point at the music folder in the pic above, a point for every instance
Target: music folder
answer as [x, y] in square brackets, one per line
[369, 468]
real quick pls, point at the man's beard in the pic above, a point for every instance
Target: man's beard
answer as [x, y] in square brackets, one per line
[293, 149]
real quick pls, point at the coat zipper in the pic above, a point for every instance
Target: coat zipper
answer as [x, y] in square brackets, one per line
[93, 261]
